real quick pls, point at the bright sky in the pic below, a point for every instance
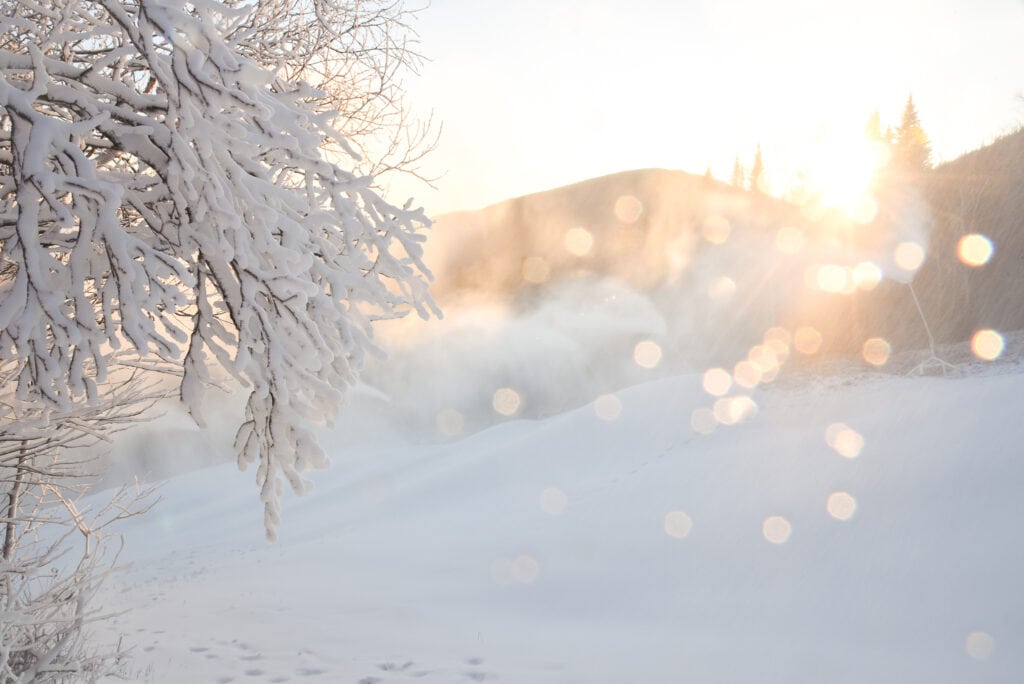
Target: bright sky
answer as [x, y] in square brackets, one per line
[535, 94]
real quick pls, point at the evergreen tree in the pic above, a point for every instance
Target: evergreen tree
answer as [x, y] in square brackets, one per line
[912, 151]
[873, 129]
[756, 170]
[739, 174]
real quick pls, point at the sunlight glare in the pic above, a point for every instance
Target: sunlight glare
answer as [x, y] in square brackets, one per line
[789, 240]
[841, 173]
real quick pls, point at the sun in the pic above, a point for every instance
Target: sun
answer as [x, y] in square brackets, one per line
[840, 173]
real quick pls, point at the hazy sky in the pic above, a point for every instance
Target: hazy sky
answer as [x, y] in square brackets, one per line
[539, 93]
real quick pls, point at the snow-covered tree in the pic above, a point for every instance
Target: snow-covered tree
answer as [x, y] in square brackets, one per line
[169, 182]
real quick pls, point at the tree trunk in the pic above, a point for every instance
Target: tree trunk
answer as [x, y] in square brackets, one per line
[13, 498]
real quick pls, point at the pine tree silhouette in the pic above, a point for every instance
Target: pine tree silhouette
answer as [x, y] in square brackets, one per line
[739, 174]
[756, 170]
[912, 151]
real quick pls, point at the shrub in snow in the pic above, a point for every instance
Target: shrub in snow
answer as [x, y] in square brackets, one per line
[53, 550]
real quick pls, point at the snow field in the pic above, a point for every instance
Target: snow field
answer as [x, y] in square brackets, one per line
[581, 549]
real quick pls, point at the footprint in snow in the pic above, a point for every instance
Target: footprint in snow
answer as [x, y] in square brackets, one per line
[394, 667]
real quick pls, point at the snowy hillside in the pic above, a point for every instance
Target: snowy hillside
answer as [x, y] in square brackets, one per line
[614, 544]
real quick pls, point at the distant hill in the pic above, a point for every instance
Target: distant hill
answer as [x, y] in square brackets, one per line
[707, 255]
[979, 192]
[642, 226]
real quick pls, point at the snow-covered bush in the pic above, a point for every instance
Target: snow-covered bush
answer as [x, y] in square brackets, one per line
[165, 186]
[54, 552]
[47, 586]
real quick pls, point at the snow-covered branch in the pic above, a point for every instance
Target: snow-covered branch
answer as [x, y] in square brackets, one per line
[163, 189]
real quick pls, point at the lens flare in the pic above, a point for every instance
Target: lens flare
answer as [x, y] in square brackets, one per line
[776, 529]
[628, 209]
[717, 382]
[536, 270]
[833, 278]
[506, 401]
[746, 374]
[722, 289]
[733, 410]
[987, 345]
[647, 354]
[980, 645]
[450, 423]
[866, 275]
[807, 340]
[715, 229]
[553, 500]
[525, 569]
[841, 505]
[876, 351]
[778, 337]
[974, 250]
[908, 256]
[677, 524]
[608, 407]
[844, 440]
[702, 421]
[579, 241]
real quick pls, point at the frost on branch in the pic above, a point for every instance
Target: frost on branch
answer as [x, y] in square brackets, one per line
[159, 190]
